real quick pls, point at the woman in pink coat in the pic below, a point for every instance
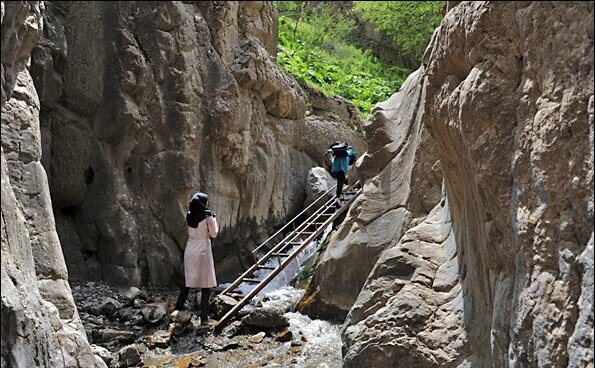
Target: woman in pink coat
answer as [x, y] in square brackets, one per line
[199, 268]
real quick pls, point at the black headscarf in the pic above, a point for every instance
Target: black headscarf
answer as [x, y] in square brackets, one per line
[198, 209]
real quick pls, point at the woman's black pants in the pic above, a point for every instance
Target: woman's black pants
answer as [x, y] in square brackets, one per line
[204, 301]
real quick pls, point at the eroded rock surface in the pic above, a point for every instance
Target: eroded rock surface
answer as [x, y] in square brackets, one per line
[180, 97]
[40, 323]
[508, 100]
[410, 311]
[509, 114]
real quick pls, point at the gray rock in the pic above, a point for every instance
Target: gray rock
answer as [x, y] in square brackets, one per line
[130, 355]
[159, 339]
[109, 334]
[181, 317]
[110, 305]
[154, 312]
[102, 352]
[132, 293]
[265, 318]
[223, 304]
[127, 313]
[319, 182]
[255, 339]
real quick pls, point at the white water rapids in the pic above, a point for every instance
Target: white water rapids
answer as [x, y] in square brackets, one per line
[322, 347]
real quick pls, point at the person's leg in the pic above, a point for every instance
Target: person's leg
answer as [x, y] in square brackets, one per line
[204, 305]
[340, 183]
[182, 297]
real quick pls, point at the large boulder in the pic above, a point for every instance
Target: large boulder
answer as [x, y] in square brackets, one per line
[411, 309]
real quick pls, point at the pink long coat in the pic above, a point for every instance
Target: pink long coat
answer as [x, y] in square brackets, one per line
[199, 268]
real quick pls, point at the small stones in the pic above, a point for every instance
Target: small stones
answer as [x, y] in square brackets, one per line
[255, 339]
[130, 356]
[284, 336]
[135, 335]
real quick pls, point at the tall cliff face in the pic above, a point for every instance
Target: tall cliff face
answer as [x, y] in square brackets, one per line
[176, 98]
[507, 102]
[40, 323]
[501, 271]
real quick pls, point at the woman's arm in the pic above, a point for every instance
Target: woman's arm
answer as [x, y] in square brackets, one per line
[212, 226]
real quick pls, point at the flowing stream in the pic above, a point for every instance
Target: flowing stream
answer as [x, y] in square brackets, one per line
[322, 347]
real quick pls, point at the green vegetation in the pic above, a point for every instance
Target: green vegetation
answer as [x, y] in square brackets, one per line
[409, 23]
[305, 274]
[314, 48]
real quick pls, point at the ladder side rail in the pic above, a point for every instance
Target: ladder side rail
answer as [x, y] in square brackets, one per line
[293, 219]
[269, 254]
[293, 234]
[284, 264]
[311, 221]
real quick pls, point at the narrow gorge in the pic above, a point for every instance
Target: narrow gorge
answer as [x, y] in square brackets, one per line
[471, 244]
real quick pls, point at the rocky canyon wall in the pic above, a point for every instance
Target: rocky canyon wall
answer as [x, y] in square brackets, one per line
[130, 108]
[144, 103]
[500, 273]
[508, 100]
[40, 323]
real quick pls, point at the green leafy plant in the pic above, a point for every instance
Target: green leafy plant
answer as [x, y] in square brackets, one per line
[313, 48]
[409, 23]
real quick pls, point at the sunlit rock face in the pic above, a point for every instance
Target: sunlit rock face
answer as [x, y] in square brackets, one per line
[508, 97]
[157, 100]
[503, 276]
[40, 323]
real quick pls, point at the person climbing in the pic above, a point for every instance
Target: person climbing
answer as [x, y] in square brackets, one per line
[199, 268]
[343, 157]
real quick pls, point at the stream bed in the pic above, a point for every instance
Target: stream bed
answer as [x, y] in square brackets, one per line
[138, 328]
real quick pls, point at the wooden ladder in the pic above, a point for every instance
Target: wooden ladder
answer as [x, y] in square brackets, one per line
[288, 248]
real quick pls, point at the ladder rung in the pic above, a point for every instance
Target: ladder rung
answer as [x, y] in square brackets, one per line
[279, 254]
[254, 281]
[266, 267]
